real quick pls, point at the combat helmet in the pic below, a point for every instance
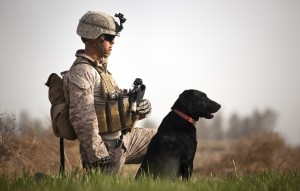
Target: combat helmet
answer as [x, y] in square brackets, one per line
[92, 24]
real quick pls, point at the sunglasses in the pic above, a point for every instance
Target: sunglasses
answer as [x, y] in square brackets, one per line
[109, 38]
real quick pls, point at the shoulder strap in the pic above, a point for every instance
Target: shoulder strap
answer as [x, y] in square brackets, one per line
[82, 60]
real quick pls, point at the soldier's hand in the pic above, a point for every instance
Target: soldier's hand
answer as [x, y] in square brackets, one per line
[102, 164]
[105, 160]
[144, 108]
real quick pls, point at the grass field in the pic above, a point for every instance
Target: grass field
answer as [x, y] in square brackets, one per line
[259, 161]
[88, 182]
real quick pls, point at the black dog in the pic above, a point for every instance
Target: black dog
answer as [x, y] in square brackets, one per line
[171, 151]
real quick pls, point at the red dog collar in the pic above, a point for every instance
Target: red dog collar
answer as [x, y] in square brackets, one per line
[186, 117]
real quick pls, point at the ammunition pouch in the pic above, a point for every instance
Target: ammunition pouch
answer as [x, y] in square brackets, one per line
[113, 115]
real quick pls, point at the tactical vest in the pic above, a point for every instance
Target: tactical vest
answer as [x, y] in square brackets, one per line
[113, 108]
[113, 111]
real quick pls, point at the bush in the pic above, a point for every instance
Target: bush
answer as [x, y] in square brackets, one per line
[32, 148]
[260, 151]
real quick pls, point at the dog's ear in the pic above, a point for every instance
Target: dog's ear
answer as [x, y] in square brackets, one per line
[185, 98]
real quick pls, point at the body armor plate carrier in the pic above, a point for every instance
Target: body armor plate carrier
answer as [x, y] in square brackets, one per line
[113, 111]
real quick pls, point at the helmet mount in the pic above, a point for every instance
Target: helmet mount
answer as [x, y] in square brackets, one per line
[120, 27]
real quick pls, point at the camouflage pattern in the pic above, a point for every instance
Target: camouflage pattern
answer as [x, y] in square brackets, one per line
[83, 84]
[132, 150]
[136, 144]
[93, 24]
[82, 80]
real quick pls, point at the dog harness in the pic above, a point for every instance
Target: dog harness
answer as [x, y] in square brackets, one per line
[186, 117]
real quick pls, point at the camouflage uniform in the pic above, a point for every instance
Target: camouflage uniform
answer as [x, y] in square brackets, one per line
[83, 86]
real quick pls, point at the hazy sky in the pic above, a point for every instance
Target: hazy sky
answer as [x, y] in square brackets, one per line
[245, 54]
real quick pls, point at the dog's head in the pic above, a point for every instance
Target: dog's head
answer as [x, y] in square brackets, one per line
[196, 104]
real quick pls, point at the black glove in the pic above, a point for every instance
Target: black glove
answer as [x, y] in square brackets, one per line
[144, 108]
[102, 164]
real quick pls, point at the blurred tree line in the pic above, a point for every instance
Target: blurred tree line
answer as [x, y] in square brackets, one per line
[237, 126]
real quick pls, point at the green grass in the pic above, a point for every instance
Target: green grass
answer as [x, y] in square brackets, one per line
[87, 182]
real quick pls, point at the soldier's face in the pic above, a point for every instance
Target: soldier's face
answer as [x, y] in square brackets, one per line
[108, 42]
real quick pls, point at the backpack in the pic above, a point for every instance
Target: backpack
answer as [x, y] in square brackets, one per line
[59, 109]
[112, 115]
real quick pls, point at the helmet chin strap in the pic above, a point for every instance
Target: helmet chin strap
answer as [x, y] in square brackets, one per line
[103, 62]
[102, 52]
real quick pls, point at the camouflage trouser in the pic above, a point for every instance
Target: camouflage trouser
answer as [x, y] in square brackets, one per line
[131, 150]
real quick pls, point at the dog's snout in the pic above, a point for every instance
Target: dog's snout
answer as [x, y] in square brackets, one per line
[215, 106]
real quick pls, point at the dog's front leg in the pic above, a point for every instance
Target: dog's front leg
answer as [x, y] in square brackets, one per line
[191, 168]
[186, 169]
